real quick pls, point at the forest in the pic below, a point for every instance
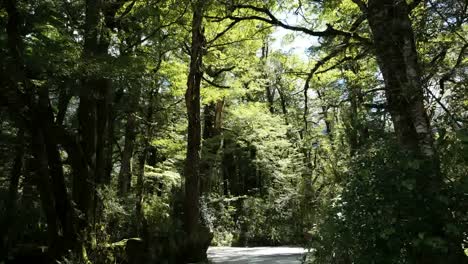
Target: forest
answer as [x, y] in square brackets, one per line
[146, 131]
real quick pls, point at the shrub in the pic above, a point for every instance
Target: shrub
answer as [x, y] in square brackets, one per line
[378, 217]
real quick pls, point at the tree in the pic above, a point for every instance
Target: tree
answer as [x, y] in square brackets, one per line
[399, 64]
[358, 141]
[198, 238]
[404, 91]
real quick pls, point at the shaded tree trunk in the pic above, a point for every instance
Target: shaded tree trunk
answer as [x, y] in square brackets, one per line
[103, 128]
[141, 164]
[64, 211]
[192, 100]
[356, 128]
[352, 124]
[125, 173]
[326, 118]
[40, 123]
[10, 207]
[84, 182]
[109, 150]
[269, 90]
[140, 189]
[284, 104]
[398, 61]
[211, 142]
[95, 111]
[198, 237]
[45, 192]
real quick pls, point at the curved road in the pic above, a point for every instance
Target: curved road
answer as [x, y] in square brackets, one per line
[255, 255]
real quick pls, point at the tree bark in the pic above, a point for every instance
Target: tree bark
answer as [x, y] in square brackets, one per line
[228, 165]
[125, 174]
[356, 130]
[140, 189]
[141, 164]
[95, 112]
[197, 240]
[10, 207]
[192, 101]
[40, 120]
[84, 182]
[398, 61]
[43, 182]
[269, 90]
[64, 210]
[212, 116]
[284, 104]
[103, 129]
[326, 118]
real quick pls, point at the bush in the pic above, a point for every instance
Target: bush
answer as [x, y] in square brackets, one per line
[378, 217]
[252, 221]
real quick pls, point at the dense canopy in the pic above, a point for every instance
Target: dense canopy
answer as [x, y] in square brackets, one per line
[144, 131]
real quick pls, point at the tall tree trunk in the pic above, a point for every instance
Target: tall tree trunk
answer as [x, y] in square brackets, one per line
[356, 128]
[10, 207]
[84, 183]
[398, 61]
[207, 160]
[228, 165]
[284, 104]
[270, 94]
[63, 207]
[192, 100]
[141, 164]
[269, 90]
[125, 174]
[326, 117]
[109, 149]
[353, 123]
[212, 116]
[43, 183]
[197, 240]
[140, 189]
[103, 126]
[51, 182]
[95, 111]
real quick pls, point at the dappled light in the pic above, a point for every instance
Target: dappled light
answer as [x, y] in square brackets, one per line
[233, 131]
[258, 255]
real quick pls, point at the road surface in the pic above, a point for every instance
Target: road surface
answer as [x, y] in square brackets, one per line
[255, 255]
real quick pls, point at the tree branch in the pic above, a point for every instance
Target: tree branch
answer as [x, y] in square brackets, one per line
[216, 72]
[320, 63]
[309, 78]
[414, 4]
[220, 34]
[329, 32]
[127, 10]
[346, 58]
[449, 74]
[361, 5]
[214, 84]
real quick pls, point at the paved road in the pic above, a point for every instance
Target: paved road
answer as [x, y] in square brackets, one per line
[255, 255]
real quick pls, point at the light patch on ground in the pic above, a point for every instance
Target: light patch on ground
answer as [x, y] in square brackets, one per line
[256, 255]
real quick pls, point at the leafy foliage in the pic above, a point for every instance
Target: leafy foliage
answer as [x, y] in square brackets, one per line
[102, 143]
